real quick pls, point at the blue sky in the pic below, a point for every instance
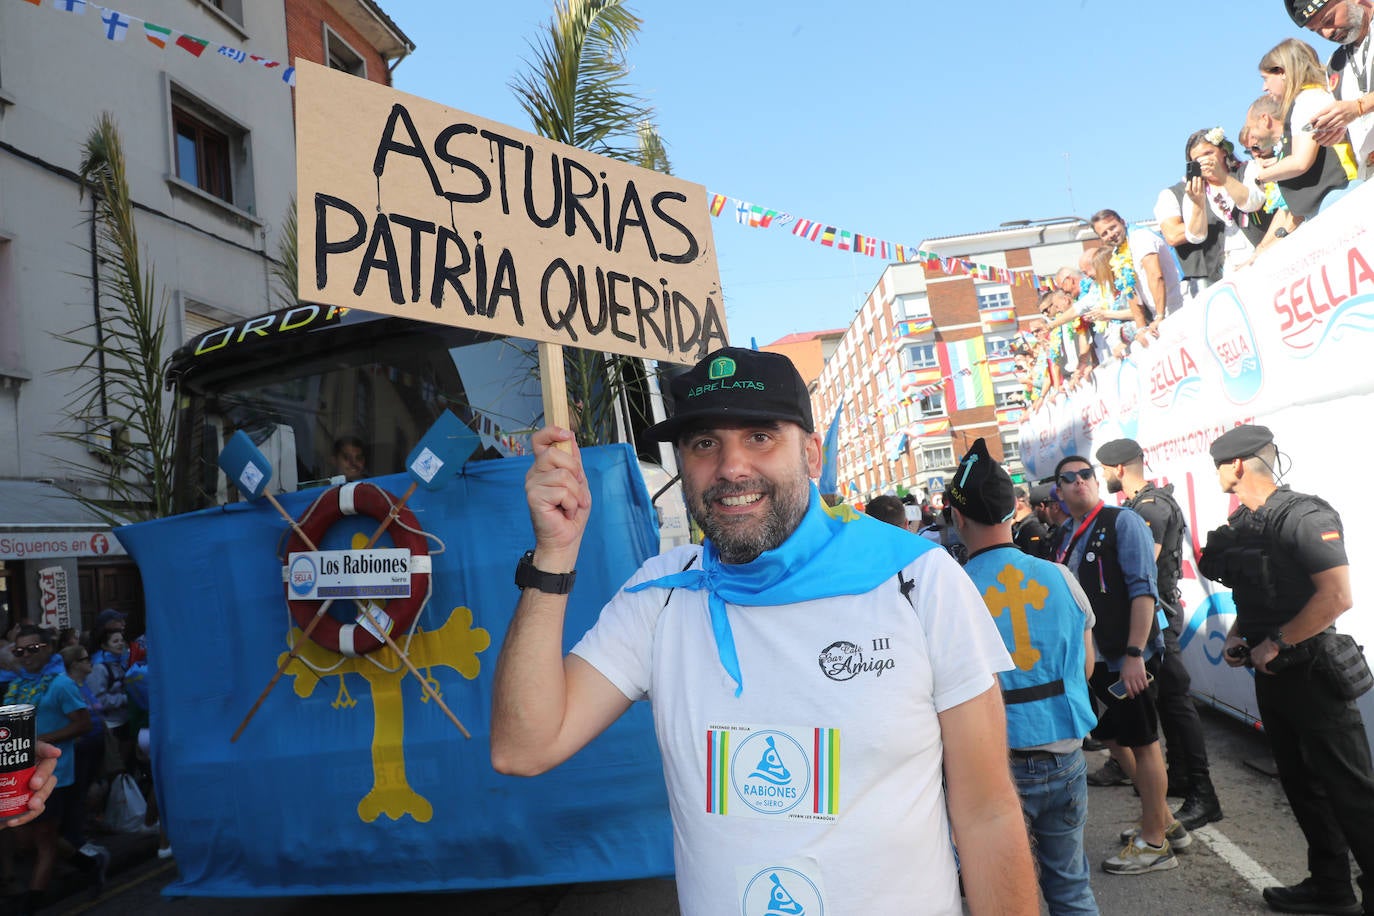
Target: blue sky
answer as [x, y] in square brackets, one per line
[890, 119]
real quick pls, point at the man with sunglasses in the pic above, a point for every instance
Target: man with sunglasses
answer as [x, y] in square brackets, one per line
[1111, 552]
[1283, 555]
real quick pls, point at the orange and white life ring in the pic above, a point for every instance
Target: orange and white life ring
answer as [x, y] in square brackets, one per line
[368, 499]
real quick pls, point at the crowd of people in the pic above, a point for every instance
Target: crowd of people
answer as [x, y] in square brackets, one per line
[91, 702]
[1307, 140]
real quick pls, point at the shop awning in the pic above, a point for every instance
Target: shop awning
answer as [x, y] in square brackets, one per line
[39, 520]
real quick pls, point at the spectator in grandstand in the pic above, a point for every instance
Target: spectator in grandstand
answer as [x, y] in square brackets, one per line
[1224, 194]
[1113, 318]
[1263, 133]
[1351, 114]
[1200, 261]
[1141, 259]
[1307, 172]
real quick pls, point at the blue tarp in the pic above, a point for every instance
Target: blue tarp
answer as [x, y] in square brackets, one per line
[352, 781]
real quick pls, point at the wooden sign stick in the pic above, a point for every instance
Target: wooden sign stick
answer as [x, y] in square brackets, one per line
[553, 384]
[324, 607]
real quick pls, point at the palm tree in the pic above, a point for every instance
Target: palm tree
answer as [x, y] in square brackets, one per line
[120, 392]
[577, 92]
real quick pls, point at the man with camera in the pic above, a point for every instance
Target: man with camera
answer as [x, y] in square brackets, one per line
[1111, 553]
[1282, 554]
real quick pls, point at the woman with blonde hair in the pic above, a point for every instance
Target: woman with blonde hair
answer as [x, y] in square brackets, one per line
[1306, 171]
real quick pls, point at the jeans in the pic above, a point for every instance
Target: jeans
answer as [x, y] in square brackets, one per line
[1054, 797]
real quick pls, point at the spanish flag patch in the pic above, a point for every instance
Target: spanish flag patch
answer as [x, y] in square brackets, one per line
[1331, 535]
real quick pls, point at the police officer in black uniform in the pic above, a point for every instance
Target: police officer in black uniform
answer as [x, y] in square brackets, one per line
[1283, 555]
[1123, 465]
[1027, 531]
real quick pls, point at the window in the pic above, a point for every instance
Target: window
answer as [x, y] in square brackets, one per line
[232, 9]
[1011, 448]
[934, 458]
[339, 55]
[933, 405]
[913, 307]
[994, 297]
[998, 348]
[919, 356]
[210, 151]
[1013, 397]
[202, 155]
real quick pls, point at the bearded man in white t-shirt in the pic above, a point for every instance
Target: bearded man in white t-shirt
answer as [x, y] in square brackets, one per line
[823, 685]
[1156, 271]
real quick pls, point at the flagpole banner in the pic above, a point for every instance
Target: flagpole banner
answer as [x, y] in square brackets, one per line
[1284, 343]
[347, 780]
[413, 209]
[969, 379]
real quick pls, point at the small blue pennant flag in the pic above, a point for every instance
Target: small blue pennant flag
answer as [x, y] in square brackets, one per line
[245, 466]
[442, 451]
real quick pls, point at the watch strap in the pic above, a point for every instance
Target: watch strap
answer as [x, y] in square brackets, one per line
[527, 575]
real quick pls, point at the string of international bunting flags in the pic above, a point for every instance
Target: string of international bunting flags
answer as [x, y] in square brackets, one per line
[758, 217]
[117, 27]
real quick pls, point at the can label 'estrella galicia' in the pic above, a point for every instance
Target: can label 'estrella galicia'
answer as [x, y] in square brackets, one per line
[17, 759]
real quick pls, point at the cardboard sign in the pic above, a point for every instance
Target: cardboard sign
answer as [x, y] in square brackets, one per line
[414, 209]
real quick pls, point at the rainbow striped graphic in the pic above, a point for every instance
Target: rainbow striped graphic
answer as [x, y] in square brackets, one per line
[826, 785]
[717, 771]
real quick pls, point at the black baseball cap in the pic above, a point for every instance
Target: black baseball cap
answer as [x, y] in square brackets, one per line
[736, 384]
[981, 488]
[1302, 10]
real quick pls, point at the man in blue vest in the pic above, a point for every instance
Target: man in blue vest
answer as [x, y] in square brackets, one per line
[1045, 621]
[1110, 551]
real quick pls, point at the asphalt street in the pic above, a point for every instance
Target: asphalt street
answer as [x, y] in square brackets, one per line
[1256, 844]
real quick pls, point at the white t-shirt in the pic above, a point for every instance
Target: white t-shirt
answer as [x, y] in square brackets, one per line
[822, 781]
[1144, 242]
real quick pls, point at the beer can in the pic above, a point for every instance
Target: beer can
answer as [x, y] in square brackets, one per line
[17, 757]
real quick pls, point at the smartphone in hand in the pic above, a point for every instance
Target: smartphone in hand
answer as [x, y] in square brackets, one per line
[1192, 170]
[1118, 689]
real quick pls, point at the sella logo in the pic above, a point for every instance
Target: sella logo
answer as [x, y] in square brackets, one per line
[1333, 295]
[302, 575]
[1231, 342]
[1174, 378]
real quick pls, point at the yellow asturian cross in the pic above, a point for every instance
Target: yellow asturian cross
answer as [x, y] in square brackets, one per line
[1016, 598]
[454, 645]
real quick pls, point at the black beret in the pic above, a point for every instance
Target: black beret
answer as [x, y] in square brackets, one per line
[1119, 451]
[1302, 10]
[1241, 442]
[981, 488]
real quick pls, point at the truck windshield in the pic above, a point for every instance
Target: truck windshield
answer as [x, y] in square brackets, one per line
[349, 398]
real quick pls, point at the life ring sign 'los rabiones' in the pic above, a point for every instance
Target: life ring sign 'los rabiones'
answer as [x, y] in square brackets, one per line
[398, 575]
[413, 209]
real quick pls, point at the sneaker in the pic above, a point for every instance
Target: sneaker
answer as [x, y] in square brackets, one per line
[1177, 835]
[1306, 897]
[1110, 774]
[1138, 857]
[97, 860]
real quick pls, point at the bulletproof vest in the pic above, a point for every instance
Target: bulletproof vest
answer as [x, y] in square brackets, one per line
[1032, 537]
[1304, 193]
[1100, 575]
[1169, 566]
[1267, 583]
[1203, 260]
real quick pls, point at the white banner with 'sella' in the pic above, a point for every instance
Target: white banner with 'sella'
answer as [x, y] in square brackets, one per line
[316, 575]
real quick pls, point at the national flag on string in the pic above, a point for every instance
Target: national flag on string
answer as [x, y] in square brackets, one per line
[34, 2]
[288, 76]
[718, 203]
[116, 24]
[70, 6]
[845, 241]
[782, 219]
[901, 254]
[884, 251]
[264, 62]
[871, 245]
[156, 34]
[801, 227]
[742, 213]
[828, 237]
[237, 55]
[192, 45]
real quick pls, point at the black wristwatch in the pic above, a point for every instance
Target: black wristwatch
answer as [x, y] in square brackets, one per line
[527, 575]
[1277, 639]
[1134, 651]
